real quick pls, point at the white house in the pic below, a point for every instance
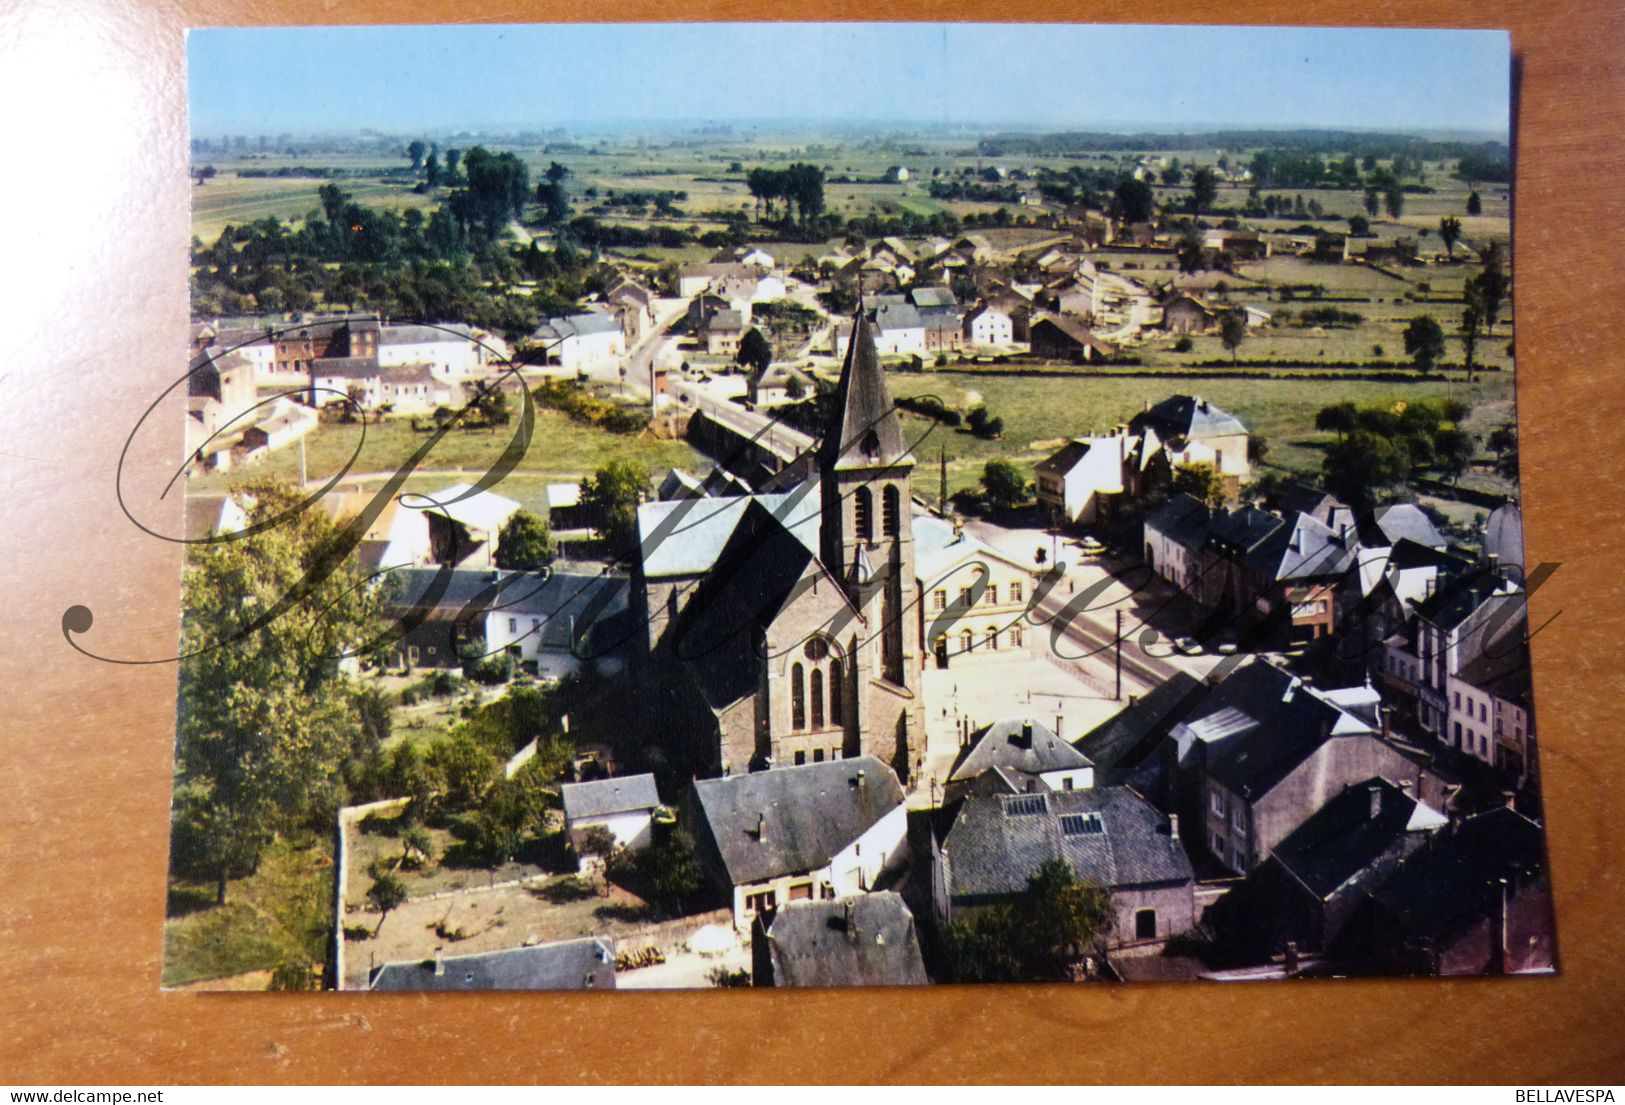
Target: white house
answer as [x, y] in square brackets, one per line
[453, 350]
[819, 830]
[625, 807]
[544, 620]
[900, 330]
[1074, 481]
[988, 325]
[577, 341]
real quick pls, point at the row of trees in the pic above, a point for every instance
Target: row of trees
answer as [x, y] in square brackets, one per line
[800, 187]
[1379, 447]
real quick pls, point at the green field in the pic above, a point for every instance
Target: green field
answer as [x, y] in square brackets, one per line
[560, 451]
[1039, 413]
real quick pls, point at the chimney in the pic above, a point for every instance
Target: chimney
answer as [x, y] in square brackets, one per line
[1499, 964]
[1173, 828]
[1290, 963]
[761, 827]
[861, 779]
[439, 962]
[1376, 801]
[1494, 560]
[849, 922]
[1386, 713]
[1026, 738]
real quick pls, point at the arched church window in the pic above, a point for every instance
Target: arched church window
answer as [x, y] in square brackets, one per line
[817, 649]
[817, 699]
[836, 690]
[890, 509]
[798, 698]
[863, 505]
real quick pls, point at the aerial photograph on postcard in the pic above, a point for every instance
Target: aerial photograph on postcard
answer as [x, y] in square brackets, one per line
[808, 505]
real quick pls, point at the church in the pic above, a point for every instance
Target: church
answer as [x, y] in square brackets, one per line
[783, 626]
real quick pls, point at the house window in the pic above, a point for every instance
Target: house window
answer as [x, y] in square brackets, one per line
[1015, 636]
[862, 509]
[513, 625]
[967, 643]
[801, 758]
[800, 891]
[1458, 732]
[1215, 843]
[818, 755]
[1239, 860]
[1015, 592]
[1216, 803]
[993, 638]
[991, 595]
[939, 600]
[836, 707]
[1458, 700]
[817, 699]
[891, 509]
[798, 698]
[1145, 924]
[826, 891]
[1481, 712]
[964, 596]
[759, 903]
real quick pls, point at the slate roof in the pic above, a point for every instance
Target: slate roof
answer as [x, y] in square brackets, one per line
[1127, 738]
[725, 321]
[1402, 520]
[862, 940]
[1261, 723]
[483, 510]
[992, 850]
[684, 537]
[743, 592]
[424, 335]
[901, 316]
[1344, 837]
[1454, 880]
[937, 548]
[573, 603]
[602, 797]
[934, 297]
[1456, 598]
[811, 813]
[1188, 416]
[1240, 531]
[1294, 496]
[1302, 548]
[1064, 459]
[1502, 665]
[587, 964]
[407, 374]
[1073, 329]
[581, 325]
[1503, 534]
[1183, 519]
[1407, 554]
[863, 406]
[354, 367]
[1017, 744]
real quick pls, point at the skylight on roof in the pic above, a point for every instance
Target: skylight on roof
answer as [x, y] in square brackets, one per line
[1082, 824]
[1024, 805]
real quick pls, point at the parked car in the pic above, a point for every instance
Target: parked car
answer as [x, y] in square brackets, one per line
[1091, 547]
[1190, 646]
[1226, 646]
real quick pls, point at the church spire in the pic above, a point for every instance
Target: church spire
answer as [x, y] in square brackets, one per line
[866, 432]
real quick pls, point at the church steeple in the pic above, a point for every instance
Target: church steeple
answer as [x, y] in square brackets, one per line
[866, 432]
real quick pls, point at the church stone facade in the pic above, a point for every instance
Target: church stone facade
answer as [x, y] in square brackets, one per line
[782, 628]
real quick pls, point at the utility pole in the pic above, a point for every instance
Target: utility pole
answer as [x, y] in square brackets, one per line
[942, 493]
[1118, 642]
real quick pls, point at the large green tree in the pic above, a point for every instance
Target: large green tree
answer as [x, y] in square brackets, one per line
[266, 719]
[1450, 233]
[755, 352]
[1362, 465]
[613, 494]
[525, 543]
[1204, 189]
[1003, 484]
[1040, 936]
[1233, 331]
[1424, 342]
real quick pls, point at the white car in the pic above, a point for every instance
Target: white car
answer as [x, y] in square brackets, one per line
[1092, 547]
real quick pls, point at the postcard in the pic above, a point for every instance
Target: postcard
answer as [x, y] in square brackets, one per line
[725, 505]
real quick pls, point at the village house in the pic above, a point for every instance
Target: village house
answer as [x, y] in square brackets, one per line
[793, 834]
[623, 807]
[585, 964]
[860, 940]
[722, 332]
[1026, 753]
[899, 330]
[972, 599]
[776, 385]
[1077, 484]
[1127, 748]
[1474, 900]
[1257, 566]
[1487, 712]
[1265, 750]
[1183, 314]
[579, 341]
[1108, 836]
[1319, 875]
[1062, 338]
[987, 325]
[551, 623]
[1175, 535]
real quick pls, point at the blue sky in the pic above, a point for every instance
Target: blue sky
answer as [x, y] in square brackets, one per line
[435, 78]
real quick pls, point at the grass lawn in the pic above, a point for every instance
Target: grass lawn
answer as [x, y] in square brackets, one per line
[232, 200]
[560, 451]
[1039, 413]
[278, 915]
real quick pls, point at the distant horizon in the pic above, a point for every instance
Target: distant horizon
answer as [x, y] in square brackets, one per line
[502, 80]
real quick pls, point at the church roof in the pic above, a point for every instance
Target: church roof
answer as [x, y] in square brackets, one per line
[867, 432]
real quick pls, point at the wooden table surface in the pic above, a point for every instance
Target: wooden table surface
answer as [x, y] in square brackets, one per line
[93, 268]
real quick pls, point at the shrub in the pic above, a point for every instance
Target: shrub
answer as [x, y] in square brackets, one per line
[1184, 344]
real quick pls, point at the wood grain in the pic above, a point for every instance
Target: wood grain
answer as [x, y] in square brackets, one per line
[94, 280]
